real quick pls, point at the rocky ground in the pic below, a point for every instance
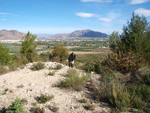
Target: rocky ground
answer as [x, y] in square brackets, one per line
[27, 84]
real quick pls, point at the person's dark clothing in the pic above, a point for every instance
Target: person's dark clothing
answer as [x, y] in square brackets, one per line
[71, 58]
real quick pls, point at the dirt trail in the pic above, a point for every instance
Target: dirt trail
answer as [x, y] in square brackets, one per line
[27, 84]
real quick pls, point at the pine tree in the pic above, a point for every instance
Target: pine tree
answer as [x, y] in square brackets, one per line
[29, 47]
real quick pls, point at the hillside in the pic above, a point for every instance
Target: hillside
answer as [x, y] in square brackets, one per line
[16, 35]
[11, 35]
[27, 84]
[81, 34]
[88, 33]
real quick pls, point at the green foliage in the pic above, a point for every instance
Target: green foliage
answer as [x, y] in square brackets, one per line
[3, 69]
[83, 100]
[134, 40]
[74, 80]
[28, 47]
[141, 96]
[38, 66]
[5, 57]
[5, 91]
[37, 110]
[24, 101]
[60, 51]
[125, 82]
[18, 60]
[134, 33]
[16, 107]
[45, 56]
[114, 41]
[89, 107]
[144, 74]
[120, 97]
[51, 73]
[44, 98]
[58, 67]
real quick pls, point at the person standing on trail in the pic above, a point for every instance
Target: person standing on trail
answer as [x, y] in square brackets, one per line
[71, 59]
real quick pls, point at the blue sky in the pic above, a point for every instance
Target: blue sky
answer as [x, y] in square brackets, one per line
[65, 16]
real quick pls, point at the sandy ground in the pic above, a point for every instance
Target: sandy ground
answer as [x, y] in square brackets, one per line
[27, 84]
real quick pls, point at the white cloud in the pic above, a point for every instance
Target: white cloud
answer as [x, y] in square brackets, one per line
[105, 20]
[86, 15]
[3, 19]
[96, 1]
[142, 11]
[138, 1]
[4, 13]
[113, 15]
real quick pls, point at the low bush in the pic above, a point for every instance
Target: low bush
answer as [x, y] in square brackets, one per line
[44, 98]
[37, 110]
[83, 100]
[44, 57]
[58, 67]
[74, 80]
[55, 59]
[89, 107]
[5, 91]
[60, 52]
[38, 66]
[18, 60]
[3, 69]
[51, 73]
[141, 97]
[120, 97]
[16, 107]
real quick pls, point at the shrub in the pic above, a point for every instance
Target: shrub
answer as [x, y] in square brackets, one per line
[141, 96]
[24, 101]
[5, 57]
[3, 69]
[28, 47]
[89, 107]
[45, 57]
[101, 91]
[51, 73]
[74, 80]
[18, 60]
[120, 97]
[144, 74]
[37, 110]
[88, 67]
[16, 107]
[60, 51]
[83, 100]
[56, 59]
[38, 66]
[44, 98]
[58, 67]
[5, 91]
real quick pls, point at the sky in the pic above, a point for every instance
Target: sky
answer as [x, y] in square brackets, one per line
[66, 16]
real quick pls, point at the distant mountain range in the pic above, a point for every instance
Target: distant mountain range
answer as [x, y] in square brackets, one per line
[81, 34]
[11, 35]
[16, 35]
